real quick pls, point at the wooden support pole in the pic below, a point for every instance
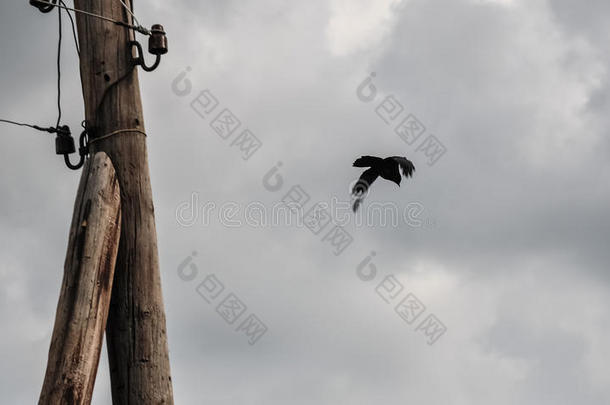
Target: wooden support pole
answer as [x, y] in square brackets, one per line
[84, 300]
[136, 332]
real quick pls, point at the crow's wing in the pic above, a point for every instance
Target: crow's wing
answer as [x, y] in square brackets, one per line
[367, 161]
[366, 179]
[405, 165]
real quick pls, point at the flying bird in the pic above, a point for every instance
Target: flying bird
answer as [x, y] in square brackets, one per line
[388, 168]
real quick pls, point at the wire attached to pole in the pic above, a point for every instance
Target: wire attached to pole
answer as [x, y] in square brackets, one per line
[59, 69]
[157, 45]
[50, 130]
[73, 29]
[64, 143]
[139, 28]
[130, 11]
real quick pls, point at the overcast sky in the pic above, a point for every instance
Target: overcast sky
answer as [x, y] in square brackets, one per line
[506, 240]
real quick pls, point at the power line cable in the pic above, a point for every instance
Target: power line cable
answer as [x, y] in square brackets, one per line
[73, 28]
[139, 28]
[59, 69]
[130, 11]
[23, 124]
[57, 128]
[64, 143]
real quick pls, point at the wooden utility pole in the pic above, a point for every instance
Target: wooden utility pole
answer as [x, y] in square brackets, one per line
[136, 332]
[83, 304]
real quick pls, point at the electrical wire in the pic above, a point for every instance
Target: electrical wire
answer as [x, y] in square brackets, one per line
[139, 28]
[73, 28]
[59, 69]
[23, 124]
[117, 132]
[130, 11]
[65, 130]
[57, 127]
[58, 62]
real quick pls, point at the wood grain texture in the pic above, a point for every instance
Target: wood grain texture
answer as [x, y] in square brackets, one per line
[136, 332]
[84, 300]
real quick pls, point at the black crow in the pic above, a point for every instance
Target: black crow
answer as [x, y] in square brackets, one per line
[388, 168]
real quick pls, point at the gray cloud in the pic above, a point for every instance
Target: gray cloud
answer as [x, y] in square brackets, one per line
[515, 266]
